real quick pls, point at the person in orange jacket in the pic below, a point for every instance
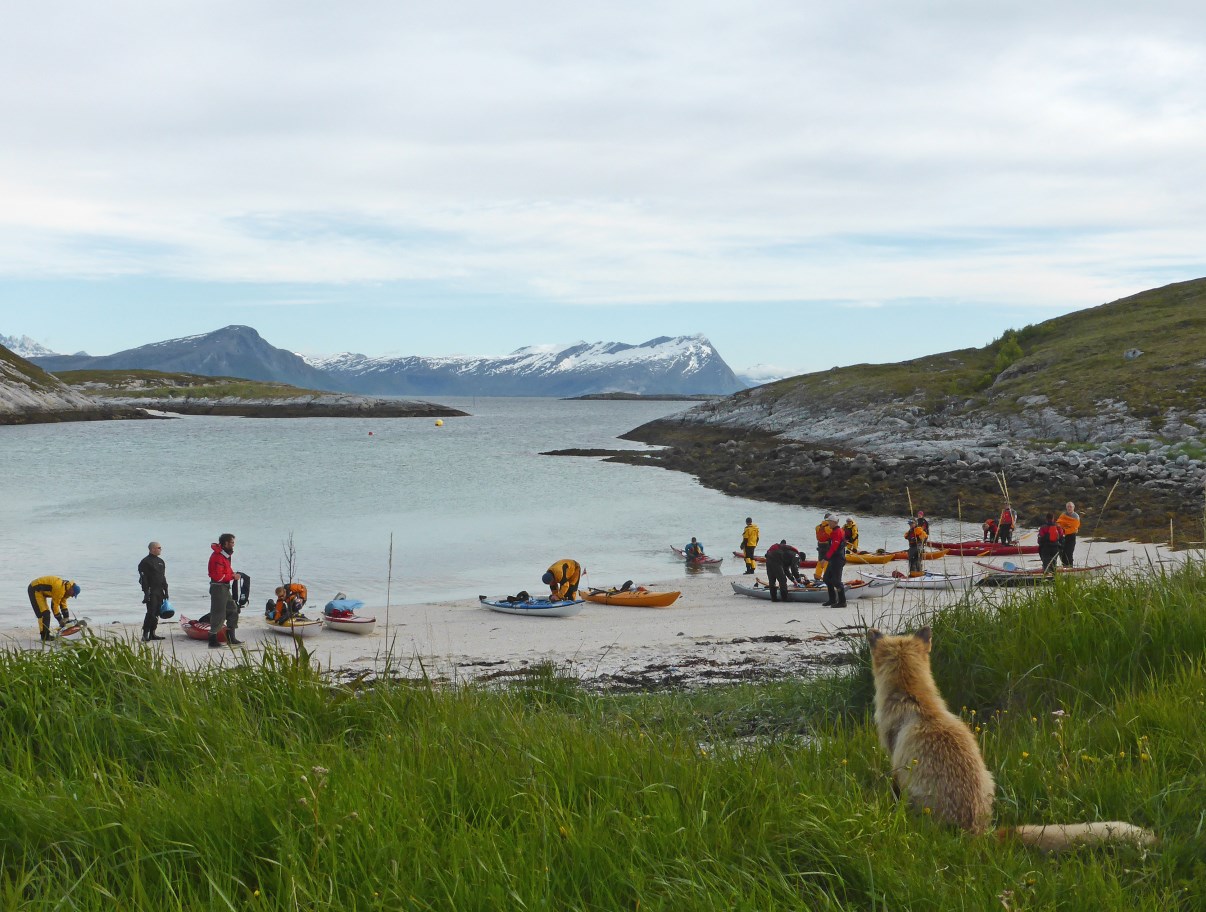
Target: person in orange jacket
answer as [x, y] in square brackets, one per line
[1069, 521]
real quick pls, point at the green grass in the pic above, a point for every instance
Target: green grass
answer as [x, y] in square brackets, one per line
[1075, 360]
[127, 783]
[150, 384]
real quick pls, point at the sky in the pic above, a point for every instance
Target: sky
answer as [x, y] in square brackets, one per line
[807, 184]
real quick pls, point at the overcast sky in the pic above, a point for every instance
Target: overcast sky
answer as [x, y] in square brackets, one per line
[808, 184]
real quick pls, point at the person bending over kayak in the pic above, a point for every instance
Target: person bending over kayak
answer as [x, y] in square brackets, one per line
[290, 600]
[563, 578]
[693, 549]
[48, 593]
[779, 559]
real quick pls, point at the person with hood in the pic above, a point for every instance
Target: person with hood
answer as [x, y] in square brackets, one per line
[562, 578]
[923, 523]
[223, 610]
[50, 593]
[749, 541]
[152, 577]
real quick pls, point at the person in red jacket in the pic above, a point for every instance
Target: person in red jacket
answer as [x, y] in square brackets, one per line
[835, 562]
[1050, 542]
[222, 607]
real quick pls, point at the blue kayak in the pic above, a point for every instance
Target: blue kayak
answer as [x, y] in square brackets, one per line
[533, 607]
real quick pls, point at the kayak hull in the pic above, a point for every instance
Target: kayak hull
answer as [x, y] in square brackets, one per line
[197, 630]
[927, 580]
[300, 628]
[639, 597]
[812, 593]
[362, 626]
[537, 607]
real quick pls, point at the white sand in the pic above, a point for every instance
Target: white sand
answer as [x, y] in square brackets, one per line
[709, 635]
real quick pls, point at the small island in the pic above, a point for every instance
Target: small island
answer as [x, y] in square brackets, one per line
[196, 394]
[647, 397]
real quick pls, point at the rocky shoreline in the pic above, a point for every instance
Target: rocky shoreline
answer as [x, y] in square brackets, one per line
[1118, 494]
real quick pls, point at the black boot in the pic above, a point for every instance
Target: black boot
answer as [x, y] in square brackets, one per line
[149, 635]
[213, 641]
[231, 639]
[749, 572]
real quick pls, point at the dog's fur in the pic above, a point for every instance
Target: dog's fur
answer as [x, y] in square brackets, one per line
[936, 761]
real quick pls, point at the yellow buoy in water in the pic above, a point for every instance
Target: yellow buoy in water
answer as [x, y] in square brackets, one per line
[439, 422]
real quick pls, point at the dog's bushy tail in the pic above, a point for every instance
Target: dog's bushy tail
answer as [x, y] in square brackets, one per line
[1055, 837]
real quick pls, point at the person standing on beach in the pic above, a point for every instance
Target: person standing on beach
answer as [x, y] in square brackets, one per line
[223, 610]
[1005, 525]
[1050, 542]
[923, 523]
[824, 529]
[749, 541]
[835, 562]
[851, 530]
[1069, 521]
[562, 578]
[152, 577]
[916, 538]
[50, 593]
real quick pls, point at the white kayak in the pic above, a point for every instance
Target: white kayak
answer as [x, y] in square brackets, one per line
[926, 580]
[354, 624]
[814, 592]
[532, 607]
[300, 627]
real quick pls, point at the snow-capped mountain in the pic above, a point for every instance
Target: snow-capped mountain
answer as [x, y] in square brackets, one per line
[683, 364]
[25, 347]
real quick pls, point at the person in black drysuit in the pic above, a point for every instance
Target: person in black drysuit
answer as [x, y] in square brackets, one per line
[152, 577]
[778, 559]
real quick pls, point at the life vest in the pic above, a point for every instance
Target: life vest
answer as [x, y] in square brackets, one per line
[290, 599]
[1069, 523]
[1008, 517]
[1052, 533]
[824, 530]
[851, 530]
[749, 538]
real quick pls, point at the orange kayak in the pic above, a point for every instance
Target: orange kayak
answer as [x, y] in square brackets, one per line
[638, 596]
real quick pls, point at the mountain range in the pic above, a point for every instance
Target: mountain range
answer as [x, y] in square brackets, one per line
[681, 365]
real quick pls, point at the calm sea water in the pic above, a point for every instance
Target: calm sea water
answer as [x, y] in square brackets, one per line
[471, 506]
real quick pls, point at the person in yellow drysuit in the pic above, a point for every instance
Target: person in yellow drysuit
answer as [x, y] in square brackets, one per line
[48, 593]
[749, 541]
[851, 530]
[824, 530]
[563, 578]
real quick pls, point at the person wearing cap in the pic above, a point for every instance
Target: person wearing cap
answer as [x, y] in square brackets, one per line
[835, 563]
[923, 522]
[1069, 521]
[916, 537]
[50, 593]
[152, 577]
[562, 578]
[749, 541]
[824, 529]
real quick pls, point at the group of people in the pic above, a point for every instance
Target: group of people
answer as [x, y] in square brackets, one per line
[783, 560]
[229, 590]
[1056, 536]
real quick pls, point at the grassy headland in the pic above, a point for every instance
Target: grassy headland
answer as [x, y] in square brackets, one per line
[131, 784]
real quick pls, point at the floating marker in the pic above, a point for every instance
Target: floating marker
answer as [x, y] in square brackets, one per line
[439, 422]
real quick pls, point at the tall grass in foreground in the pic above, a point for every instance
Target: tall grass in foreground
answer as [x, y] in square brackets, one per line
[127, 783]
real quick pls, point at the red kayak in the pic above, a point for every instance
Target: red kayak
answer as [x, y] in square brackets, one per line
[196, 630]
[982, 549]
[704, 561]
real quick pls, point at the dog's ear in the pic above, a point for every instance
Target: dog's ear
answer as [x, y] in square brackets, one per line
[874, 636]
[926, 635]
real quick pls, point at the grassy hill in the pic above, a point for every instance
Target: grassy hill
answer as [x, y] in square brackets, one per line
[151, 384]
[1077, 361]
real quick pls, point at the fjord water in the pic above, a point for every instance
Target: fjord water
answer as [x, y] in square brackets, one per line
[472, 506]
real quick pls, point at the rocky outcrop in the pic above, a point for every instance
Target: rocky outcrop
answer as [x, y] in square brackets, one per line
[330, 405]
[29, 395]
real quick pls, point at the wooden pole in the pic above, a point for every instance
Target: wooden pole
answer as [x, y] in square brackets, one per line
[389, 579]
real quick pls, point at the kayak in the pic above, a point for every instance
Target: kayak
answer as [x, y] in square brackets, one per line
[1013, 570]
[926, 555]
[638, 596]
[761, 559]
[532, 607]
[199, 630]
[354, 624]
[704, 561]
[866, 557]
[815, 592]
[71, 632]
[299, 627]
[984, 549]
[926, 580]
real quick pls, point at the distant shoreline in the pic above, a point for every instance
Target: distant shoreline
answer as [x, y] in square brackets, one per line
[645, 397]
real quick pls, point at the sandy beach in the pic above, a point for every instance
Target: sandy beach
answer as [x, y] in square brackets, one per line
[710, 635]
